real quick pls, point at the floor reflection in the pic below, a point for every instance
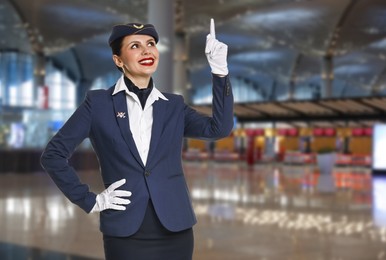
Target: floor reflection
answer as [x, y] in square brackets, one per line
[269, 211]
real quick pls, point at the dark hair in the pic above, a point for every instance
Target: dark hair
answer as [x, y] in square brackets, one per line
[116, 47]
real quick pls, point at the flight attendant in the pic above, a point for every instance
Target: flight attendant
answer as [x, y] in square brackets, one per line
[137, 133]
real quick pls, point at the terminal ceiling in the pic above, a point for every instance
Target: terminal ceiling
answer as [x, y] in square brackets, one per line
[275, 46]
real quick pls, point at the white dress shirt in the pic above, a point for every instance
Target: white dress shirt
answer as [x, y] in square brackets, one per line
[140, 120]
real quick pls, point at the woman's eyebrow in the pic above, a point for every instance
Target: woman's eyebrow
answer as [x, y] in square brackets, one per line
[134, 42]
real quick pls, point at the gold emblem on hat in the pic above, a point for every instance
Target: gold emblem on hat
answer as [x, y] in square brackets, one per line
[138, 26]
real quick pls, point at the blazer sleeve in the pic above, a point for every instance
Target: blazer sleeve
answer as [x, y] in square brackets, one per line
[59, 149]
[218, 125]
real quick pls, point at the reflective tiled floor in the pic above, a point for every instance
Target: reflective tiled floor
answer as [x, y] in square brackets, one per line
[13, 251]
[265, 212]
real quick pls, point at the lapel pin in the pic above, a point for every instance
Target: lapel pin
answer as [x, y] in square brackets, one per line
[121, 115]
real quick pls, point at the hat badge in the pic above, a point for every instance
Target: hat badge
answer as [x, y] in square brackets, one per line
[138, 26]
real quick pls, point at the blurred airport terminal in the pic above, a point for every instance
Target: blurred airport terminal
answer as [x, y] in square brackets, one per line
[301, 177]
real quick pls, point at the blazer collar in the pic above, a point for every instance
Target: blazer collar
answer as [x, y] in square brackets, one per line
[159, 111]
[121, 115]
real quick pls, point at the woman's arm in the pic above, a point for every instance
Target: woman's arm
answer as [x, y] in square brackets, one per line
[60, 149]
[218, 125]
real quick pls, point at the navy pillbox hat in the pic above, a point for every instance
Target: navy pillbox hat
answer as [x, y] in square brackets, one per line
[122, 30]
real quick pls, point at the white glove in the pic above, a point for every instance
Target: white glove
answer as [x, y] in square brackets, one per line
[216, 52]
[110, 198]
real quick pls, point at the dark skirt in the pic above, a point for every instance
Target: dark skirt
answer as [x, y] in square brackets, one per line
[151, 242]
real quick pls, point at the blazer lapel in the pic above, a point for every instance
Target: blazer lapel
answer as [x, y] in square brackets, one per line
[121, 114]
[159, 111]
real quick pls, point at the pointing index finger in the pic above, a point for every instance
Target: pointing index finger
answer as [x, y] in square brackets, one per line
[212, 30]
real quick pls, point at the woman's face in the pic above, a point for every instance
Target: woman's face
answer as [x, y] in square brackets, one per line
[139, 56]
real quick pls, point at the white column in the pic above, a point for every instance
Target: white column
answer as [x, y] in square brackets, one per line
[161, 15]
[180, 72]
[328, 76]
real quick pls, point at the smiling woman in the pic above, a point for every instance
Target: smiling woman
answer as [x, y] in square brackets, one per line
[145, 211]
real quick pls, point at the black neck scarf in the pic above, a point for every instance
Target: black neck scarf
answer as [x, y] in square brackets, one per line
[142, 93]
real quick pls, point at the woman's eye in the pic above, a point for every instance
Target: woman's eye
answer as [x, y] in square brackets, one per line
[151, 44]
[134, 46]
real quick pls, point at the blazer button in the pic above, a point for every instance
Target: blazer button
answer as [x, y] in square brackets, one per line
[228, 90]
[147, 173]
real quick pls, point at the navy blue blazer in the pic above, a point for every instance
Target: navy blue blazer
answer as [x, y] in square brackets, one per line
[162, 178]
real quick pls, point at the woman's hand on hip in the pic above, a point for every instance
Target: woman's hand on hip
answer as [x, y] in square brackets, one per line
[110, 198]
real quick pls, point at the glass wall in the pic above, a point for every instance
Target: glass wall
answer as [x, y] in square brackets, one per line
[106, 81]
[24, 122]
[61, 89]
[16, 79]
[17, 87]
[242, 91]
